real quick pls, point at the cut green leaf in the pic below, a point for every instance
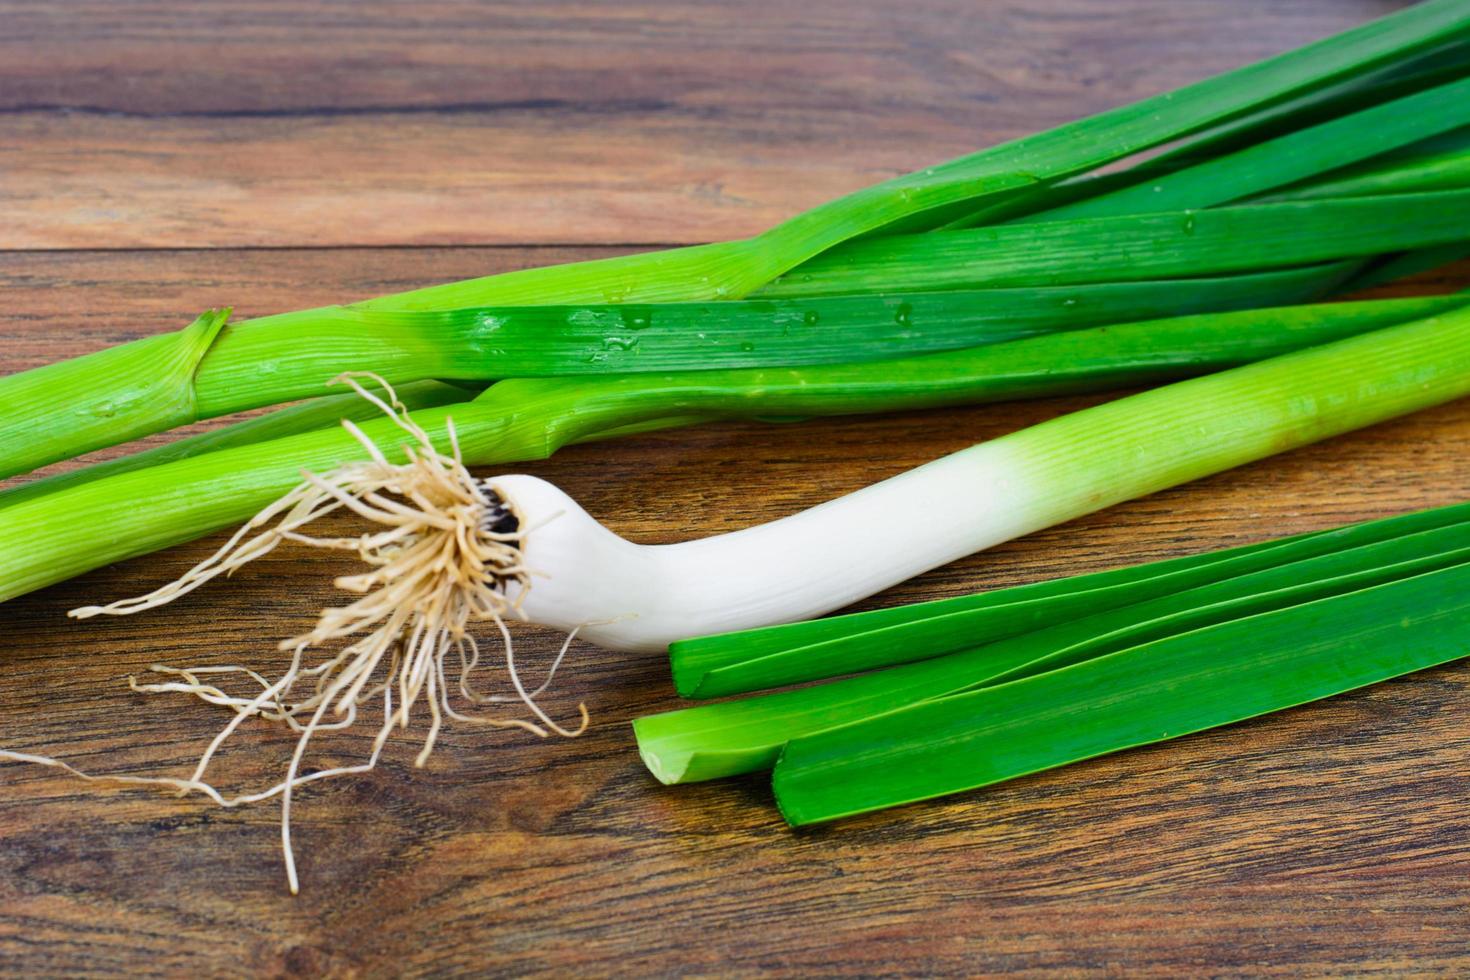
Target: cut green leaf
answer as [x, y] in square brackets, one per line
[1148, 693]
[1148, 246]
[1290, 158]
[777, 656]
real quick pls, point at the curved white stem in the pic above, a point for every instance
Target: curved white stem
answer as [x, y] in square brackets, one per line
[627, 596]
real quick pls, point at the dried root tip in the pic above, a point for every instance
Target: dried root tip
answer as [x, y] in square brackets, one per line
[447, 550]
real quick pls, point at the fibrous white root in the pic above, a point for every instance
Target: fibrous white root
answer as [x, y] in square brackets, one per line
[438, 566]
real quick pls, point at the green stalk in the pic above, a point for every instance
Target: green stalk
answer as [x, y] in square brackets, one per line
[727, 739]
[1147, 693]
[1268, 121]
[41, 541]
[1287, 159]
[316, 413]
[1148, 246]
[219, 371]
[1434, 165]
[147, 387]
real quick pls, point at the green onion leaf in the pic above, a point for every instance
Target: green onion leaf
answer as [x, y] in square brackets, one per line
[265, 361]
[1433, 165]
[1148, 693]
[730, 270]
[777, 656]
[1147, 246]
[1287, 159]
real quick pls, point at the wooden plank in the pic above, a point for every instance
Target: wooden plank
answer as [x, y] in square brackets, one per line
[1325, 840]
[170, 124]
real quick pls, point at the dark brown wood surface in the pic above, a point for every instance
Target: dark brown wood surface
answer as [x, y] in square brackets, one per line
[159, 158]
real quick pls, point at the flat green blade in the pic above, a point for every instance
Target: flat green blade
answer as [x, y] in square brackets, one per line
[778, 656]
[1148, 693]
[1432, 165]
[1146, 246]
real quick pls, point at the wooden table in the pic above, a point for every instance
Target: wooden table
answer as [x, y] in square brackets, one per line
[157, 159]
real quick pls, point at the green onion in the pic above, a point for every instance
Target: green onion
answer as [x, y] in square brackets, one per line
[214, 369]
[1157, 690]
[458, 549]
[630, 597]
[528, 419]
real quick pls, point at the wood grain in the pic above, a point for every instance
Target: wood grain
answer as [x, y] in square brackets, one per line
[1326, 840]
[344, 123]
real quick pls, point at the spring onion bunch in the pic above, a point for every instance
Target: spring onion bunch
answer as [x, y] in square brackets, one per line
[1014, 272]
